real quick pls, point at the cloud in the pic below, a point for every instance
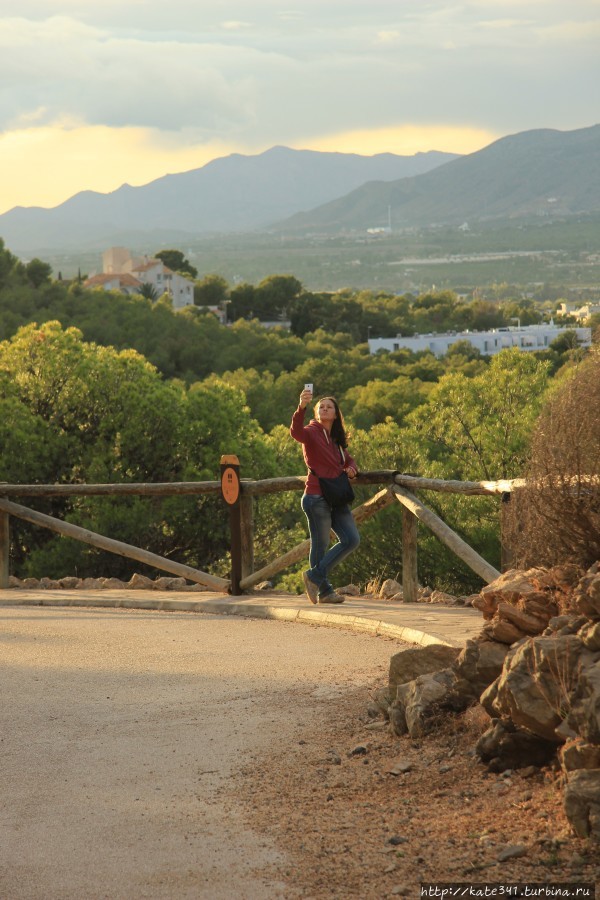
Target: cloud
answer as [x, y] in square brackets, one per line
[324, 70]
[235, 25]
[405, 139]
[92, 157]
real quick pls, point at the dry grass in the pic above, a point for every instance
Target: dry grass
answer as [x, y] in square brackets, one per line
[556, 518]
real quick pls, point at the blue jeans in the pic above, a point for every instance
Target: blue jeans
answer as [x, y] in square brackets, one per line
[321, 520]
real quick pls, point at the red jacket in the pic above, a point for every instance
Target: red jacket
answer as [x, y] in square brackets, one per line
[321, 453]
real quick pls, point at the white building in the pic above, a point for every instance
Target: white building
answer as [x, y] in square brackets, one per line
[122, 271]
[528, 338]
[581, 313]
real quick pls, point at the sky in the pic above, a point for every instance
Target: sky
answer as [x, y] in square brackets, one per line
[97, 93]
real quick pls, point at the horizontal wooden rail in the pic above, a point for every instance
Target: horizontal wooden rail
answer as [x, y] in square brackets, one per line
[118, 547]
[164, 489]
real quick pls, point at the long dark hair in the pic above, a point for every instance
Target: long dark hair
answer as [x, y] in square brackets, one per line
[338, 429]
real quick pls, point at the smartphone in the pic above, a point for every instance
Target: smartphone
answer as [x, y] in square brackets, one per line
[308, 387]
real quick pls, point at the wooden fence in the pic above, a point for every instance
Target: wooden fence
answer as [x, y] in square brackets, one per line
[397, 487]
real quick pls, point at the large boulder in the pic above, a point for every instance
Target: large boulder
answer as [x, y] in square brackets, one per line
[478, 665]
[414, 661]
[582, 802]
[536, 684]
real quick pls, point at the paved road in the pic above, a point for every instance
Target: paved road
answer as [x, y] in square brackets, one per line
[418, 623]
[119, 730]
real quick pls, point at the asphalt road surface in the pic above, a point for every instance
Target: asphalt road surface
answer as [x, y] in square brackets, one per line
[120, 730]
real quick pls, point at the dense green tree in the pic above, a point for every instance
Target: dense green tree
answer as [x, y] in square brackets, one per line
[176, 261]
[38, 272]
[212, 290]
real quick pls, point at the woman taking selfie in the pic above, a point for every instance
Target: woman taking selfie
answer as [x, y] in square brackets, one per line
[324, 447]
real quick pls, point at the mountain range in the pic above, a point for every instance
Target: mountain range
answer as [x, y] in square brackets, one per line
[231, 194]
[541, 172]
[538, 173]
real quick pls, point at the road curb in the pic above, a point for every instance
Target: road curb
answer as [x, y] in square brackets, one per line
[228, 606]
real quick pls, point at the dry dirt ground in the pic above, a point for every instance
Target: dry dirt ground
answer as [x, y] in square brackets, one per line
[354, 828]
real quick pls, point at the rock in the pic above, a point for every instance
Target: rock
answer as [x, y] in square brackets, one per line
[584, 717]
[582, 802]
[478, 665]
[165, 583]
[590, 635]
[424, 593]
[112, 584]
[414, 661]
[140, 582]
[399, 767]
[503, 747]
[376, 726]
[565, 624]
[514, 851]
[535, 685]
[49, 584]
[359, 750]
[383, 701]
[389, 588]
[519, 616]
[69, 582]
[30, 583]
[396, 598]
[422, 700]
[579, 754]
[509, 587]
[442, 597]
[349, 590]
[266, 586]
[586, 596]
[14, 582]
[503, 632]
[92, 584]
[396, 840]
[398, 723]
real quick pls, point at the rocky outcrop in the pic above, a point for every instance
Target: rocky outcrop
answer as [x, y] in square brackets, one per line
[535, 669]
[535, 685]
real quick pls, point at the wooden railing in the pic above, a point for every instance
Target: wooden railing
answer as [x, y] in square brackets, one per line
[398, 487]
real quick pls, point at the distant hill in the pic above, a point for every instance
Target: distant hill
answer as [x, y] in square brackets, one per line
[231, 194]
[527, 174]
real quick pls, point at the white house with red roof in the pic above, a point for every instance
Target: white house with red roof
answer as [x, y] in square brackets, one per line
[123, 272]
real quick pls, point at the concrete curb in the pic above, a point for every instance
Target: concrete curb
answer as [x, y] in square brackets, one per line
[228, 605]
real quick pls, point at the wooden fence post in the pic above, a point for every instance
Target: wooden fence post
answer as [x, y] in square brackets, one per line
[410, 579]
[507, 510]
[4, 548]
[247, 533]
[231, 490]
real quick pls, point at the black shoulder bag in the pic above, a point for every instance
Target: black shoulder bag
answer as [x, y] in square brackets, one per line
[336, 491]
